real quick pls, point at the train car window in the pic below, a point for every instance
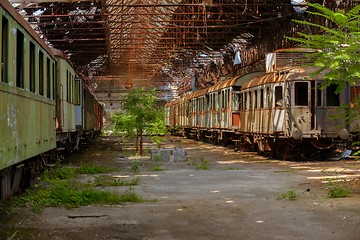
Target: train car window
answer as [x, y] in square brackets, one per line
[301, 94]
[332, 98]
[268, 97]
[32, 67]
[319, 95]
[77, 92]
[71, 88]
[244, 101]
[261, 98]
[249, 101]
[53, 81]
[236, 101]
[19, 59]
[67, 86]
[256, 99]
[41, 73]
[4, 48]
[278, 96]
[48, 78]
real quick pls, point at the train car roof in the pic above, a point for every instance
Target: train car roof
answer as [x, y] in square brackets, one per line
[235, 81]
[294, 73]
[199, 93]
[15, 14]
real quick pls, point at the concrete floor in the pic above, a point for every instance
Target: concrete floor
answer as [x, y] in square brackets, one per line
[237, 198]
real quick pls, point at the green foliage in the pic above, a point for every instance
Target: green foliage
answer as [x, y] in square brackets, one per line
[94, 169]
[140, 113]
[106, 180]
[335, 190]
[135, 167]
[158, 168]
[338, 192]
[200, 164]
[290, 195]
[338, 45]
[67, 193]
[59, 173]
[60, 188]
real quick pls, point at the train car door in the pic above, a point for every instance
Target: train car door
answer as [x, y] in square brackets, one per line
[303, 106]
[279, 112]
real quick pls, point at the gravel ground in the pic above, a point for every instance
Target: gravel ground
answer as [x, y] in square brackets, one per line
[236, 198]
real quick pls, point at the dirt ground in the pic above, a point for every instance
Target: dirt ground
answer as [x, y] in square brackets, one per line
[236, 198]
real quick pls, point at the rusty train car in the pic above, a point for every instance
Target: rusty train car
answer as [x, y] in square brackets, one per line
[281, 111]
[44, 105]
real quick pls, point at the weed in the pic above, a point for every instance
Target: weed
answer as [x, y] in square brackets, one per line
[156, 157]
[202, 165]
[59, 173]
[335, 191]
[130, 196]
[338, 192]
[158, 168]
[94, 169]
[135, 167]
[110, 181]
[290, 195]
[60, 188]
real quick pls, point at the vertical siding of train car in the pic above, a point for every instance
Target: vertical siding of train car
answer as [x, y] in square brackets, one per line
[215, 110]
[27, 126]
[78, 92]
[67, 110]
[203, 112]
[268, 109]
[247, 114]
[235, 110]
[325, 119]
[257, 110]
[89, 111]
[193, 112]
[300, 112]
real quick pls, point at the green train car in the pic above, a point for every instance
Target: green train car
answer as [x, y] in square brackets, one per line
[27, 96]
[45, 106]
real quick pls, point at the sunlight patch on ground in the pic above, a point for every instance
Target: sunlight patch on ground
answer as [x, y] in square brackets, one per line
[334, 177]
[121, 176]
[231, 161]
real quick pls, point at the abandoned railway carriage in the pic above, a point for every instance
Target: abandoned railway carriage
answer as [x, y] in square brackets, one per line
[282, 111]
[43, 103]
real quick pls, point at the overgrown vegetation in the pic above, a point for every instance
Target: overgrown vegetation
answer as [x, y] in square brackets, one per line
[140, 114]
[335, 189]
[135, 167]
[200, 164]
[158, 168]
[290, 195]
[60, 188]
[106, 180]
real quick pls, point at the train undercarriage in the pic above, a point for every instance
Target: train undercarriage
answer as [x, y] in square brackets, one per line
[272, 146]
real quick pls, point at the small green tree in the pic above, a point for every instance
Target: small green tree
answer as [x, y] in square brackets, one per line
[140, 114]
